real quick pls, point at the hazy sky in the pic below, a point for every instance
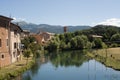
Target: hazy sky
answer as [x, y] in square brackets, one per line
[62, 12]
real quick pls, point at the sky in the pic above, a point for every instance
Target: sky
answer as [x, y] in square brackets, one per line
[63, 12]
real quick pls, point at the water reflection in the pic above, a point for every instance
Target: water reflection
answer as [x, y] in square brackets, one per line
[69, 58]
[69, 65]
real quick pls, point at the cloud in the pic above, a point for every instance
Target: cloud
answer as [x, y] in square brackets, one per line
[18, 19]
[112, 21]
[14, 18]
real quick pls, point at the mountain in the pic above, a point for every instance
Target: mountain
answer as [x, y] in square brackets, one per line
[49, 28]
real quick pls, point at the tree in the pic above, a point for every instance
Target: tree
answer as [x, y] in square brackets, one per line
[62, 45]
[27, 54]
[62, 37]
[98, 43]
[52, 46]
[68, 37]
[79, 42]
[115, 37]
[73, 43]
[82, 41]
[34, 49]
[27, 41]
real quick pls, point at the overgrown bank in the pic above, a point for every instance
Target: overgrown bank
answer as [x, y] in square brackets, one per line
[109, 57]
[15, 69]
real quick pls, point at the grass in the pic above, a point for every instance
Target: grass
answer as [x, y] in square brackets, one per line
[15, 69]
[110, 57]
[110, 52]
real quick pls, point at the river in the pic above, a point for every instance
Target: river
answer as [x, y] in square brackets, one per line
[70, 65]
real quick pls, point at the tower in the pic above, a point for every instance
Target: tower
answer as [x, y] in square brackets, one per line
[65, 29]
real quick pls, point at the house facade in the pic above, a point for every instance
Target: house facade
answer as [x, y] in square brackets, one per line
[5, 56]
[46, 36]
[9, 41]
[15, 42]
[43, 37]
[25, 33]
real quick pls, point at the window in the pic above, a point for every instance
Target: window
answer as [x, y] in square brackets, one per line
[15, 32]
[0, 43]
[2, 56]
[14, 54]
[15, 45]
[7, 42]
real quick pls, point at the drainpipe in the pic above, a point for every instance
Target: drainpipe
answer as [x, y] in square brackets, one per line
[9, 39]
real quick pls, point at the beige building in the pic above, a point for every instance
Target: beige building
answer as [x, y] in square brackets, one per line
[25, 33]
[10, 41]
[43, 37]
[46, 36]
[15, 40]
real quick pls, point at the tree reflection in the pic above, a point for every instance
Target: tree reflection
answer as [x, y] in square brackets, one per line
[27, 76]
[69, 58]
[35, 67]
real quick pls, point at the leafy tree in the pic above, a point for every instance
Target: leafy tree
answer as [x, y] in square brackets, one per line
[115, 37]
[73, 43]
[26, 42]
[62, 37]
[29, 43]
[98, 43]
[62, 45]
[82, 41]
[68, 37]
[34, 49]
[79, 42]
[27, 54]
[52, 46]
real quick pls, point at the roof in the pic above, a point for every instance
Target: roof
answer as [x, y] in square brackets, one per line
[17, 26]
[5, 18]
[97, 36]
[26, 31]
[46, 33]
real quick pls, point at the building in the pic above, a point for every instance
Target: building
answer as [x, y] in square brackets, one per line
[9, 39]
[38, 38]
[46, 36]
[25, 33]
[97, 36]
[43, 37]
[65, 29]
[5, 56]
[15, 42]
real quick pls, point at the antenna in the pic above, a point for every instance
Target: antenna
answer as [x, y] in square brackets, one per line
[10, 15]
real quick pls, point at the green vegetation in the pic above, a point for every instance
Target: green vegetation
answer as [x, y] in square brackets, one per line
[69, 58]
[13, 70]
[31, 47]
[83, 39]
[109, 57]
[31, 51]
[27, 54]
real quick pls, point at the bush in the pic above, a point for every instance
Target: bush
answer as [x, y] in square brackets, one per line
[114, 45]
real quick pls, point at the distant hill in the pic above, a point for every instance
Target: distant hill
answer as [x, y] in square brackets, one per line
[49, 28]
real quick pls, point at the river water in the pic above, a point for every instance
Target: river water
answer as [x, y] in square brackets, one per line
[72, 65]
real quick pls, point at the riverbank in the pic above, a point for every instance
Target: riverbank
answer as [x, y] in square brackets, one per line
[109, 57]
[15, 69]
